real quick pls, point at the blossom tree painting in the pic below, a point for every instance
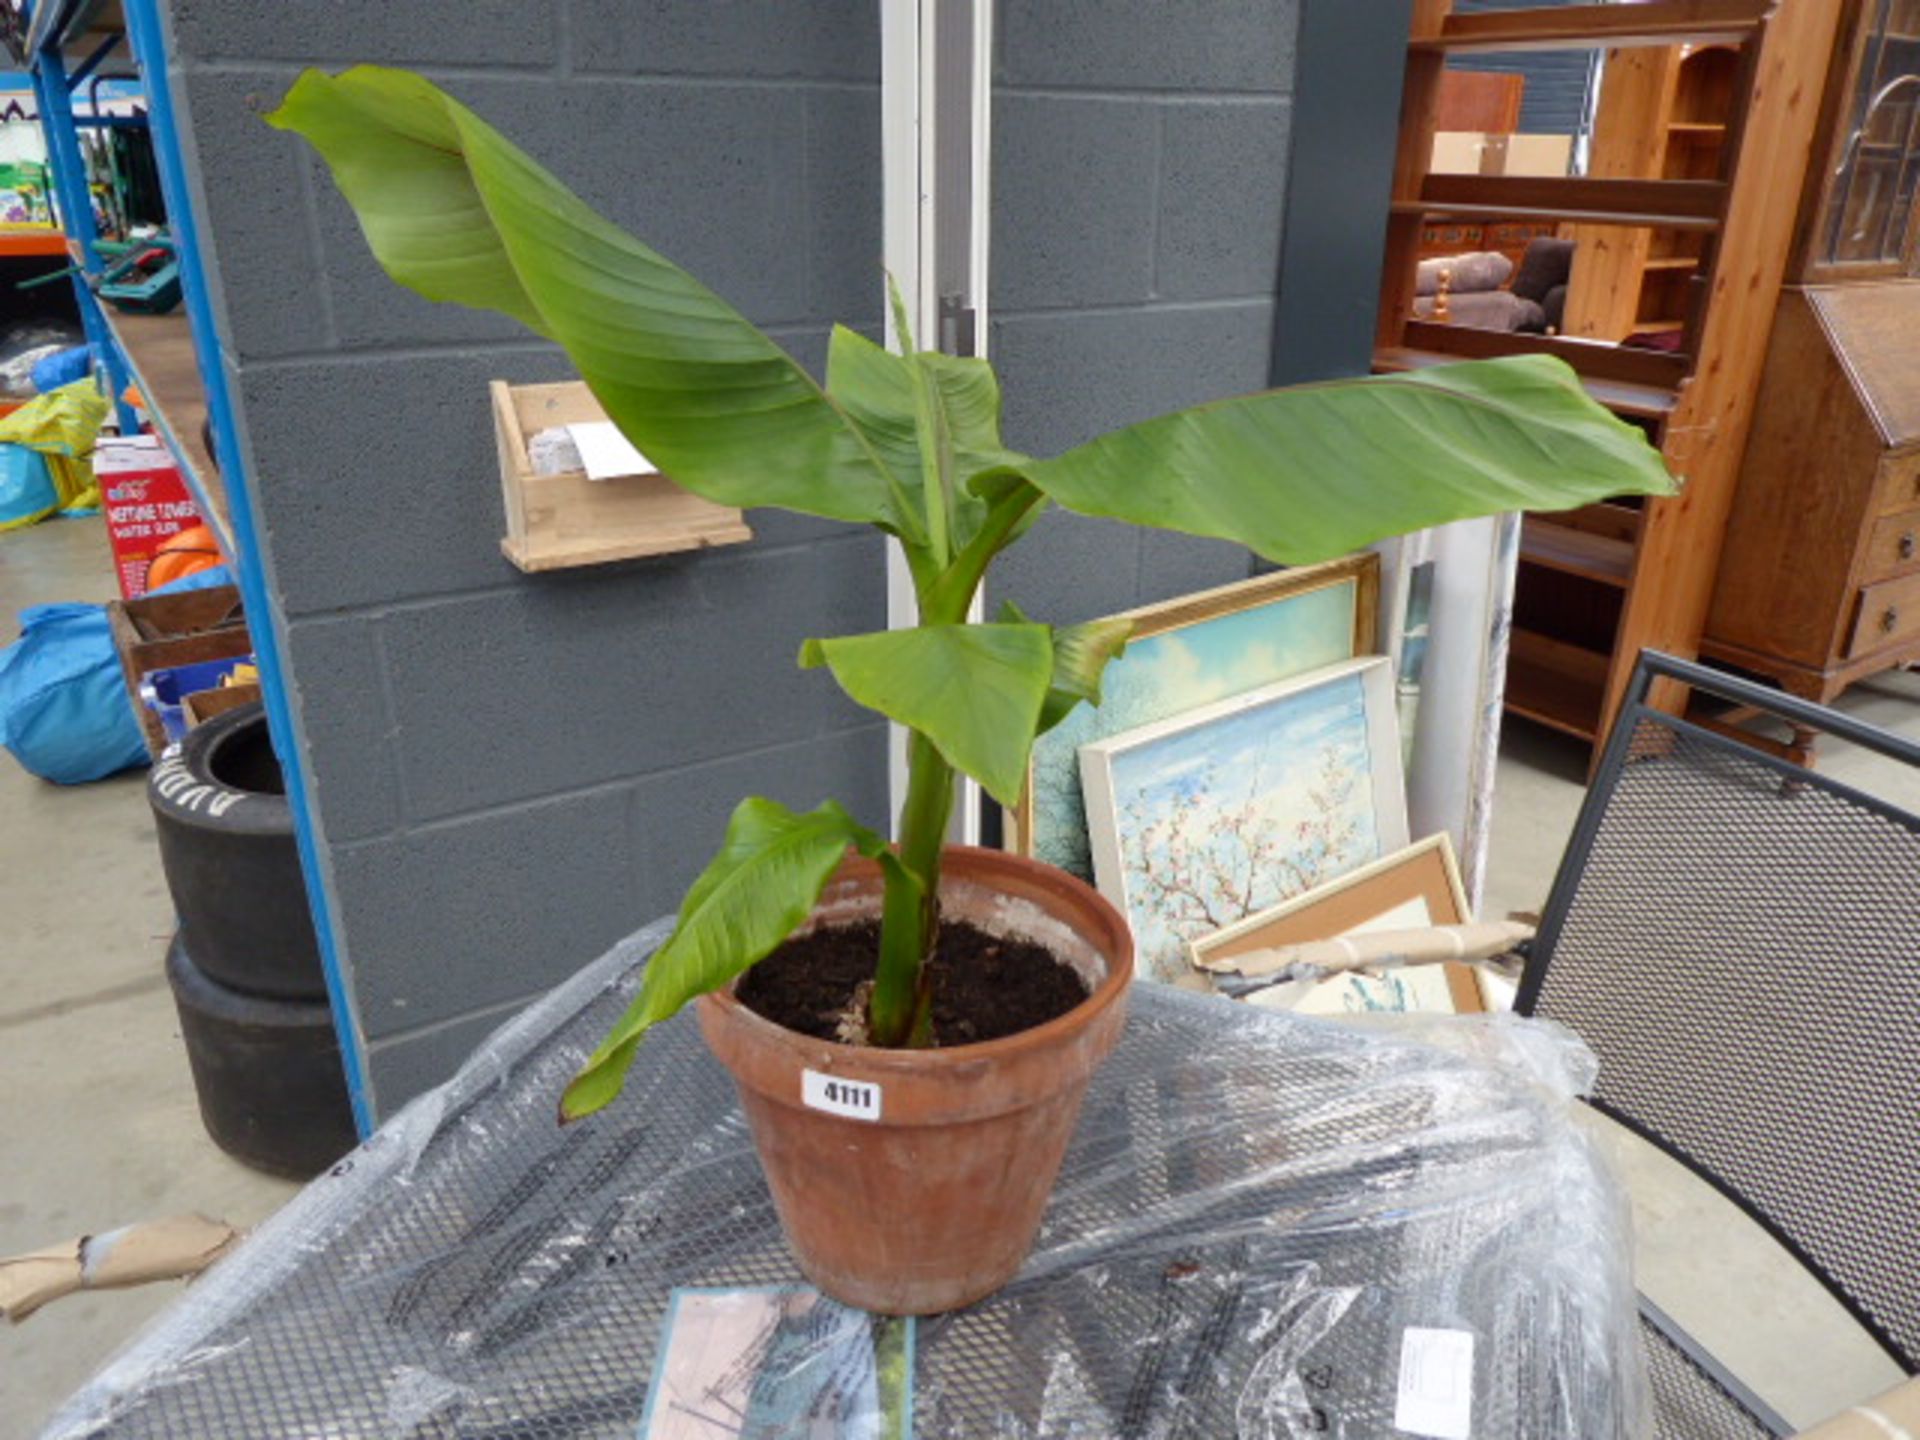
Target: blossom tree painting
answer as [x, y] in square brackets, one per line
[1289, 625]
[1212, 819]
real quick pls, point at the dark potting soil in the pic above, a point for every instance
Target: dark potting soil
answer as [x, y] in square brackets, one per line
[984, 986]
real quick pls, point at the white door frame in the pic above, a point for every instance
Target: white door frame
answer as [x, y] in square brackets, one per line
[936, 81]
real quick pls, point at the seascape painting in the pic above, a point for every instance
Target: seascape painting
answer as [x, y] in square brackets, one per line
[1166, 672]
[1199, 822]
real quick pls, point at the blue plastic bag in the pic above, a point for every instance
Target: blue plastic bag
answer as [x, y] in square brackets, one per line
[27, 491]
[64, 711]
[63, 367]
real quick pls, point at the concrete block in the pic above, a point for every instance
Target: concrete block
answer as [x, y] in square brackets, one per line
[1223, 190]
[786, 527]
[808, 345]
[254, 207]
[846, 280]
[714, 177]
[379, 480]
[1069, 568]
[346, 732]
[809, 39]
[1183, 45]
[1070, 377]
[1073, 201]
[574, 679]
[676, 822]
[406, 1065]
[679, 819]
[504, 33]
[458, 918]
[1173, 564]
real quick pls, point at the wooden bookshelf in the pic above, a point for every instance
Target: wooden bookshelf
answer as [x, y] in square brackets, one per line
[1663, 119]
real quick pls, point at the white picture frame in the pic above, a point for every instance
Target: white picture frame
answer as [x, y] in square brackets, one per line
[1184, 653]
[1202, 820]
[1454, 683]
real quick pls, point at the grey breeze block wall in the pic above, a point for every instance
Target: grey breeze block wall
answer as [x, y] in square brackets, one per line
[1140, 160]
[512, 771]
[1189, 202]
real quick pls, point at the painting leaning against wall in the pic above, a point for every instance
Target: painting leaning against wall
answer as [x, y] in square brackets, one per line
[1186, 654]
[1203, 820]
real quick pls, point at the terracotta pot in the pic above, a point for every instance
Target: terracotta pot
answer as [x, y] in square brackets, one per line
[933, 1204]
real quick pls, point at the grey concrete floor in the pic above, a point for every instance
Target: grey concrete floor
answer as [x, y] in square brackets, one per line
[99, 1126]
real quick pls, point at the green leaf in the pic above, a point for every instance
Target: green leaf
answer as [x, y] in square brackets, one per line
[875, 387]
[975, 691]
[1312, 472]
[454, 211]
[770, 870]
[1080, 656]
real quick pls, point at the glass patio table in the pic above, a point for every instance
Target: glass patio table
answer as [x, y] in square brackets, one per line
[1266, 1226]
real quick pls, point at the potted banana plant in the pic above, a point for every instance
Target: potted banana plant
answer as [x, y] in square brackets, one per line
[910, 1145]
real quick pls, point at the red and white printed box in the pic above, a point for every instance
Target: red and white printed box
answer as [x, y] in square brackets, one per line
[146, 503]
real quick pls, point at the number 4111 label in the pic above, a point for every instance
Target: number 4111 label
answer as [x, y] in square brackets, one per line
[855, 1099]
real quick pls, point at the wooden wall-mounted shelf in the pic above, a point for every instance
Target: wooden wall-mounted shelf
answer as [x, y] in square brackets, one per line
[557, 521]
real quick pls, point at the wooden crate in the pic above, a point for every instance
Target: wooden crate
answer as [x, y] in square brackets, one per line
[202, 705]
[554, 521]
[156, 632]
[189, 612]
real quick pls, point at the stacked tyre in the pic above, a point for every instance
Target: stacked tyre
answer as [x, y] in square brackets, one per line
[245, 965]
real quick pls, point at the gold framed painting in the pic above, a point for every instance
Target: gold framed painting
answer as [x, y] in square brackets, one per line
[1410, 888]
[1185, 654]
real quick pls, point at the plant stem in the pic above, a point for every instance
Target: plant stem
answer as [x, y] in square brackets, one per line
[910, 915]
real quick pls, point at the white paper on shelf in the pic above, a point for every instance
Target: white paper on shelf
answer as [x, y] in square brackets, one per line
[606, 454]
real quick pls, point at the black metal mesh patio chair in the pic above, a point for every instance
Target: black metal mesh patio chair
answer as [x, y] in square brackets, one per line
[1738, 939]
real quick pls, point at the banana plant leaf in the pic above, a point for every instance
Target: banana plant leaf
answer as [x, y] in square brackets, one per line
[771, 867]
[455, 211]
[911, 444]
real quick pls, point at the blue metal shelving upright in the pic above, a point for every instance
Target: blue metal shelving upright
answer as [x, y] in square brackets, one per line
[131, 32]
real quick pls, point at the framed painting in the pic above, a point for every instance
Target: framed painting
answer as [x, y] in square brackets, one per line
[779, 1360]
[1414, 887]
[1189, 653]
[1203, 820]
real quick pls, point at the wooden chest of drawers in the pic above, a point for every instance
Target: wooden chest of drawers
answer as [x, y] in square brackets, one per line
[1819, 580]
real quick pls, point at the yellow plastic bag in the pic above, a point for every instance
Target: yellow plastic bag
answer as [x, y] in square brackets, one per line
[62, 425]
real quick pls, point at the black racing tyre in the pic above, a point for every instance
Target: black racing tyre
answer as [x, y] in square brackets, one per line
[272, 1091]
[226, 843]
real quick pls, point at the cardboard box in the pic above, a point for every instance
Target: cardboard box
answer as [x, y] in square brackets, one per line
[146, 503]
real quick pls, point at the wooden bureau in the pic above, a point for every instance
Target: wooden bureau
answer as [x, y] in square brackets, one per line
[1819, 578]
[1820, 573]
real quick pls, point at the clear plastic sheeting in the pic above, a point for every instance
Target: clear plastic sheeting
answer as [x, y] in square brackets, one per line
[1266, 1227]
